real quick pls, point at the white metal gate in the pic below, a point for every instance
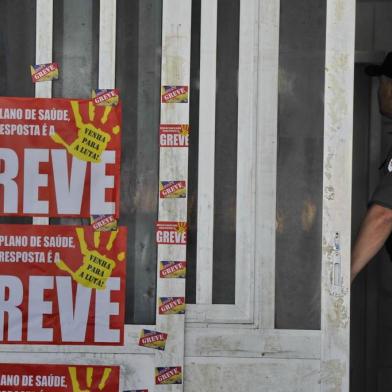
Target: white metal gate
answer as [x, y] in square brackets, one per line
[235, 347]
[238, 345]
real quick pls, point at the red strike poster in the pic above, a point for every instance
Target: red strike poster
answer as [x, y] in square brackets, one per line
[58, 378]
[59, 157]
[61, 285]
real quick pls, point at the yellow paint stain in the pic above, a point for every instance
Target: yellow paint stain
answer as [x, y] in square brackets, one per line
[91, 141]
[89, 379]
[104, 379]
[59, 140]
[96, 267]
[74, 380]
[97, 238]
[82, 241]
[106, 113]
[113, 236]
[89, 376]
[91, 111]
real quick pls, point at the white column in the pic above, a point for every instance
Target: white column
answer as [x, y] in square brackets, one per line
[107, 44]
[173, 165]
[206, 170]
[43, 55]
[336, 236]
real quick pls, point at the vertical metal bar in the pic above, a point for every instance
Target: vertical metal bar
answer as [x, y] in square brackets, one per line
[44, 43]
[246, 159]
[337, 173]
[267, 120]
[176, 39]
[256, 153]
[43, 55]
[107, 44]
[206, 170]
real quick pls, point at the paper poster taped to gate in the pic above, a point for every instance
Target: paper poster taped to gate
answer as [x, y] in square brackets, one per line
[61, 285]
[59, 157]
[171, 305]
[174, 135]
[106, 97]
[171, 233]
[168, 375]
[103, 222]
[58, 378]
[174, 94]
[152, 339]
[172, 189]
[172, 269]
[44, 72]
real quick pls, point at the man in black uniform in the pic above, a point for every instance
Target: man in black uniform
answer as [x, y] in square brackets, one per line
[377, 224]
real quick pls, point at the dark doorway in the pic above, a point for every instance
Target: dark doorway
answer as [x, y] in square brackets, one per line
[371, 300]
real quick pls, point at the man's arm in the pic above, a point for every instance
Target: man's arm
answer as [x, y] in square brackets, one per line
[374, 231]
